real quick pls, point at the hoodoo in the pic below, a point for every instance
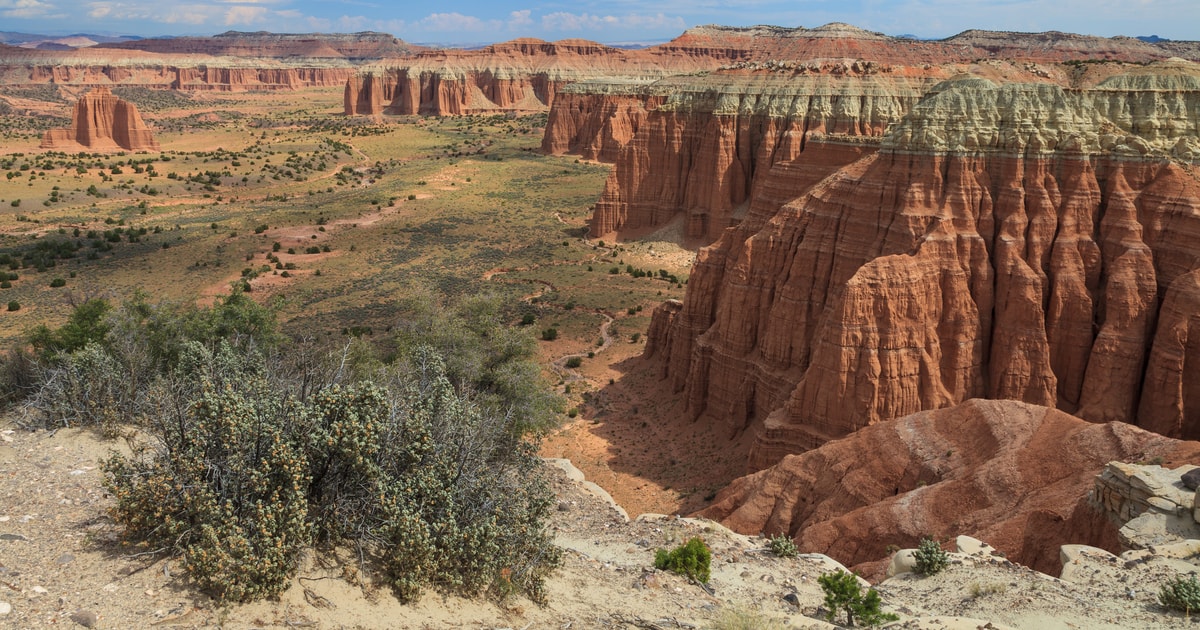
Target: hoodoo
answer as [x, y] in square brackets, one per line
[102, 122]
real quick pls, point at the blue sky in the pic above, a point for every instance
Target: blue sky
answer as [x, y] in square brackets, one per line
[606, 21]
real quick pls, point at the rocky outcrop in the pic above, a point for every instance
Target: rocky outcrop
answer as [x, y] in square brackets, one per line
[102, 122]
[1149, 503]
[1013, 474]
[1007, 241]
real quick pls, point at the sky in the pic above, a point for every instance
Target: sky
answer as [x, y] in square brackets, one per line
[609, 21]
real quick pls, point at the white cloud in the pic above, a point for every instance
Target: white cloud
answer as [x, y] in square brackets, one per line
[25, 8]
[519, 19]
[455, 22]
[244, 15]
[563, 21]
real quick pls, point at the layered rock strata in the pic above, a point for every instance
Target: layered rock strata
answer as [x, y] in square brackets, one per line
[520, 75]
[1018, 241]
[1014, 474]
[703, 150]
[362, 46]
[102, 122]
[107, 67]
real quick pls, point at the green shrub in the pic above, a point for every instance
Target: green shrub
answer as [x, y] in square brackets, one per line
[691, 559]
[14, 305]
[550, 334]
[930, 557]
[444, 496]
[1181, 593]
[574, 362]
[843, 594]
[58, 282]
[783, 546]
[528, 319]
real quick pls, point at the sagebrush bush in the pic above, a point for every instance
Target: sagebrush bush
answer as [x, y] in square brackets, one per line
[1181, 593]
[256, 449]
[844, 595]
[446, 496]
[929, 557]
[783, 546]
[692, 559]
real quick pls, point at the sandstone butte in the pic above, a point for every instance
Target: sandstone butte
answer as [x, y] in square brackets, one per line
[1009, 473]
[102, 122]
[886, 239]
[227, 62]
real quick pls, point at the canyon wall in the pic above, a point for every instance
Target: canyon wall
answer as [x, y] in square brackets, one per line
[87, 67]
[703, 149]
[102, 122]
[1019, 241]
[1012, 474]
[520, 75]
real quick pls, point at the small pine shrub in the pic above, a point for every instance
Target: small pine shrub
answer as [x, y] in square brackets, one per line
[930, 558]
[783, 546]
[1181, 594]
[58, 282]
[574, 362]
[691, 559]
[14, 305]
[550, 334]
[843, 594]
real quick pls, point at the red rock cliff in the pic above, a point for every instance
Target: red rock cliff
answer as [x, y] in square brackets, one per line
[1012, 474]
[102, 122]
[705, 149]
[107, 67]
[1008, 241]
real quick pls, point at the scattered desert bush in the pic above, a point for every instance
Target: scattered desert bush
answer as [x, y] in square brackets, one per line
[1181, 593]
[843, 595]
[783, 546]
[691, 559]
[574, 362]
[930, 557]
[256, 447]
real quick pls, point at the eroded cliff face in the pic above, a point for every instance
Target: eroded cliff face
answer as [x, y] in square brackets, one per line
[102, 122]
[1013, 474]
[108, 67]
[713, 141]
[520, 75]
[1006, 241]
[596, 120]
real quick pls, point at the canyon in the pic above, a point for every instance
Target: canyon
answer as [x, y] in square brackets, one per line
[881, 243]
[886, 243]
[939, 285]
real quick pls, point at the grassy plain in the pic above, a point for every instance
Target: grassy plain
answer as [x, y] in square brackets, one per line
[340, 221]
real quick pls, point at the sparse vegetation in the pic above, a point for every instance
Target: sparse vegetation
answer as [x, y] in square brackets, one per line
[844, 595]
[930, 558]
[783, 546]
[1181, 594]
[692, 559]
